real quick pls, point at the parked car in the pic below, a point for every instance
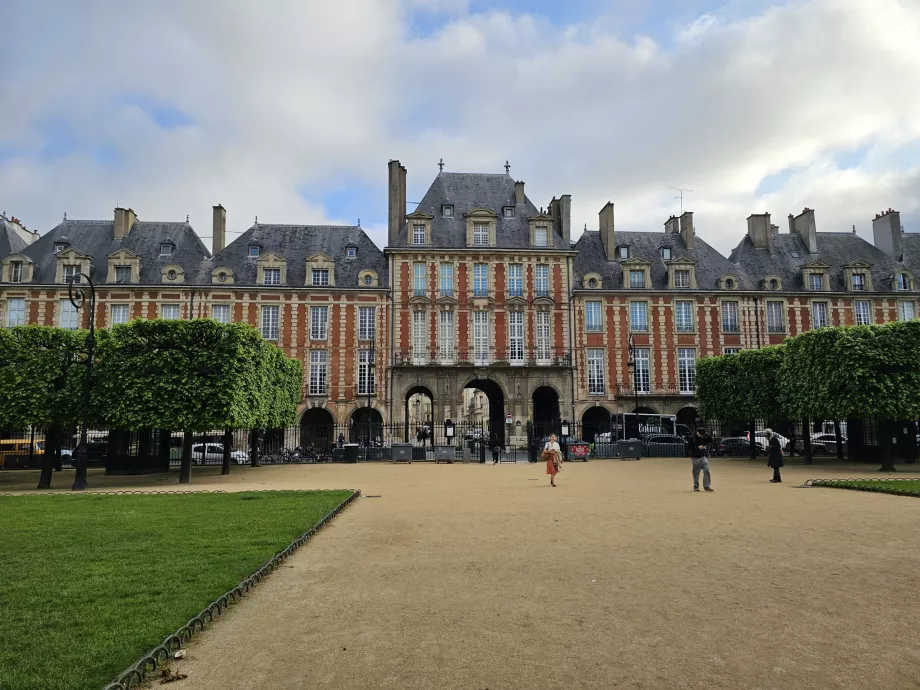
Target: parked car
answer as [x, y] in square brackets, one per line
[783, 441]
[739, 446]
[210, 454]
[665, 447]
[821, 444]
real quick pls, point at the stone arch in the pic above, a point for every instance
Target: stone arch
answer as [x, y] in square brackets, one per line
[688, 415]
[645, 409]
[317, 428]
[411, 392]
[365, 423]
[496, 393]
[595, 420]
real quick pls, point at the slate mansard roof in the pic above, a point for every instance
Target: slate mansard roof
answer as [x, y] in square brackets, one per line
[467, 192]
[10, 241]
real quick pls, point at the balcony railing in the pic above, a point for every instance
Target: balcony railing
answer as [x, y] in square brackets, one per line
[626, 390]
[512, 357]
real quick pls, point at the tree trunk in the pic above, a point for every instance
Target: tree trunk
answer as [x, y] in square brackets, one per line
[839, 439]
[886, 444]
[52, 444]
[806, 441]
[856, 440]
[752, 430]
[185, 471]
[254, 447]
[228, 441]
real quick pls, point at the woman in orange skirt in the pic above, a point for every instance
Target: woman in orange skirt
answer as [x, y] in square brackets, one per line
[553, 457]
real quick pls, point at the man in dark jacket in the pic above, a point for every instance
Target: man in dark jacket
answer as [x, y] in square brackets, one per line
[699, 450]
[774, 455]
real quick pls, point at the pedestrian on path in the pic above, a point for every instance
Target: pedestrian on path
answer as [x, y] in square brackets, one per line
[774, 455]
[699, 450]
[496, 447]
[553, 457]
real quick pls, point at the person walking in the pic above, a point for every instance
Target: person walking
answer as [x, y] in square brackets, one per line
[774, 455]
[553, 457]
[495, 446]
[699, 450]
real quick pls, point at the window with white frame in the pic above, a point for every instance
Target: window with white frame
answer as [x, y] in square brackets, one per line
[418, 234]
[686, 369]
[623, 252]
[70, 273]
[319, 277]
[775, 321]
[16, 311]
[69, 313]
[317, 372]
[270, 318]
[542, 336]
[595, 371]
[541, 280]
[446, 336]
[319, 323]
[16, 272]
[863, 312]
[420, 337]
[682, 278]
[815, 282]
[638, 316]
[730, 317]
[480, 235]
[447, 279]
[170, 311]
[480, 280]
[593, 320]
[906, 311]
[516, 337]
[367, 323]
[637, 279]
[367, 384]
[508, 211]
[903, 282]
[818, 314]
[351, 252]
[643, 371]
[418, 279]
[122, 274]
[166, 249]
[515, 280]
[59, 247]
[684, 315]
[859, 282]
[731, 350]
[220, 313]
[447, 211]
[540, 236]
[120, 313]
[481, 337]
[271, 276]
[665, 253]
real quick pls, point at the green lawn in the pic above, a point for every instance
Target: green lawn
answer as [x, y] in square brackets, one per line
[88, 584]
[901, 485]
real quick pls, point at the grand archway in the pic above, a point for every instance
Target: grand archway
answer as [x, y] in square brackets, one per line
[316, 429]
[546, 415]
[595, 420]
[419, 406]
[688, 416]
[366, 424]
[496, 397]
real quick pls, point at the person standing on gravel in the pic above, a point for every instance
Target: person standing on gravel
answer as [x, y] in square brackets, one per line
[699, 449]
[774, 455]
[553, 457]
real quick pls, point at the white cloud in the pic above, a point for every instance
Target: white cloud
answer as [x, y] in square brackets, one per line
[311, 94]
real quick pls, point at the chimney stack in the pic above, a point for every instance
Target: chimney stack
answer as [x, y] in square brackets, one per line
[606, 225]
[396, 188]
[672, 225]
[565, 214]
[760, 230]
[686, 229]
[804, 226]
[518, 193]
[219, 234]
[124, 221]
[887, 234]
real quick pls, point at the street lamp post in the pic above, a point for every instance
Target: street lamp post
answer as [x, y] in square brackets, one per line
[78, 300]
[371, 385]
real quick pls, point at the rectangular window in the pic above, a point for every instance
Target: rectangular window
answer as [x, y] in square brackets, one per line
[418, 234]
[16, 311]
[906, 311]
[859, 282]
[515, 280]
[367, 384]
[68, 315]
[418, 279]
[595, 371]
[682, 279]
[731, 350]
[775, 321]
[481, 337]
[16, 272]
[643, 372]
[480, 235]
[863, 312]
[480, 280]
[70, 272]
[516, 337]
[447, 279]
[543, 348]
[541, 273]
[317, 372]
[730, 317]
[686, 369]
[170, 311]
[119, 313]
[903, 282]
[815, 282]
[320, 277]
[367, 323]
[446, 336]
[684, 314]
[638, 316]
[122, 274]
[270, 321]
[220, 313]
[593, 317]
[818, 314]
[272, 276]
[420, 337]
[166, 250]
[319, 323]
[637, 279]
[539, 236]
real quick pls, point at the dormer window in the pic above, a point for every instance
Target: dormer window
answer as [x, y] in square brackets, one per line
[540, 236]
[774, 284]
[222, 277]
[637, 279]
[166, 249]
[351, 252]
[271, 276]
[903, 282]
[592, 282]
[418, 233]
[795, 255]
[480, 235]
[682, 278]
[665, 253]
[447, 210]
[59, 247]
[16, 272]
[623, 252]
[815, 282]
[320, 277]
[70, 273]
[368, 279]
[859, 282]
[508, 211]
[171, 275]
[254, 250]
[729, 284]
[122, 274]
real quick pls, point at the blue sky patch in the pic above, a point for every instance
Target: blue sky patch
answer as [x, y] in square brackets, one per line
[350, 200]
[165, 115]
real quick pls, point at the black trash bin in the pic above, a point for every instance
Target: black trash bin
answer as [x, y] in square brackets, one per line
[350, 452]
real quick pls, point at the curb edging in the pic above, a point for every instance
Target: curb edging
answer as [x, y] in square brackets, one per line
[847, 484]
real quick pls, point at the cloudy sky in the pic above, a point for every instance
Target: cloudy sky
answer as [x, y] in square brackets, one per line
[290, 109]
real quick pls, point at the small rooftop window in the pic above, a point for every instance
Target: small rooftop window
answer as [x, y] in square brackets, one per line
[795, 255]
[368, 279]
[351, 252]
[665, 253]
[59, 247]
[447, 210]
[508, 211]
[623, 252]
[166, 249]
[253, 250]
